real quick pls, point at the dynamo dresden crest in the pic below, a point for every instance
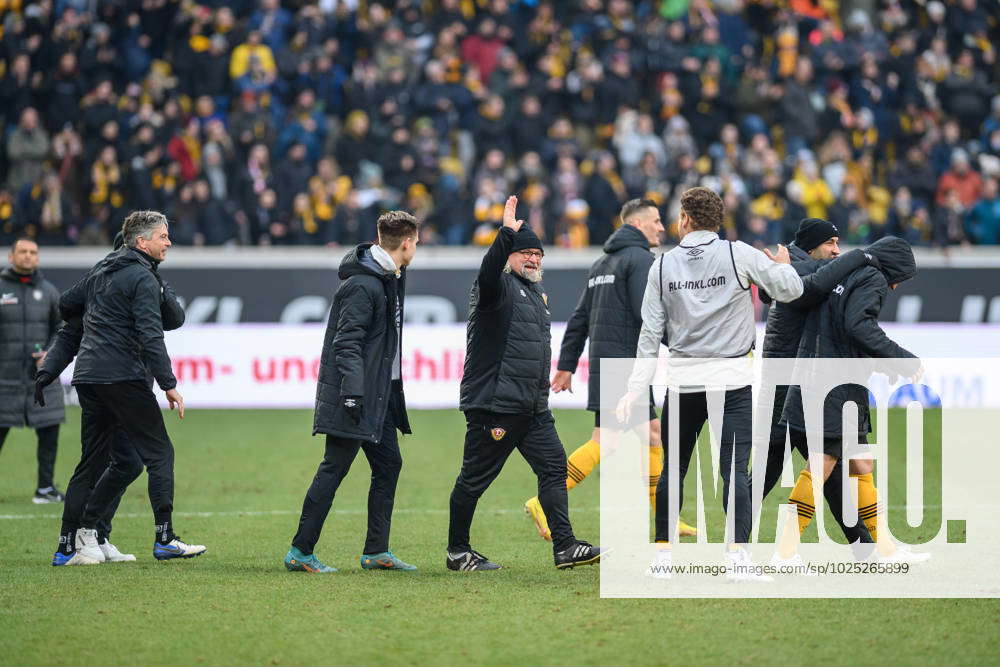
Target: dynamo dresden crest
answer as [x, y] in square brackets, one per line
[498, 433]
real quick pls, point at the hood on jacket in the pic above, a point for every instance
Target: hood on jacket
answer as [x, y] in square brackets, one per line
[895, 257]
[13, 276]
[626, 236]
[360, 261]
[119, 259]
[797, 254]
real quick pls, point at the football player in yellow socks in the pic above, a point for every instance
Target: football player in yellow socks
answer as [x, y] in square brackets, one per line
[583, 461]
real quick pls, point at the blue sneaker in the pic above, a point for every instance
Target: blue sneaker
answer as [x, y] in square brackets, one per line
[60, 559]
[384, 561]
[175, 548]
[296, 561]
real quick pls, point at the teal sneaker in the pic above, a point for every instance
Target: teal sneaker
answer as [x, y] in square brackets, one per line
[296, 561]
[384, 561]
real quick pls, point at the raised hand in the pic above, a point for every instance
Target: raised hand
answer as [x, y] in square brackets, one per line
[510, 214]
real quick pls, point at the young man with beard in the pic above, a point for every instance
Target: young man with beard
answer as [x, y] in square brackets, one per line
[359, 396]
[505, 395]
[609, 314]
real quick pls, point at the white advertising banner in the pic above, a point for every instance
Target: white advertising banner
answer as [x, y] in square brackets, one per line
[275, 366]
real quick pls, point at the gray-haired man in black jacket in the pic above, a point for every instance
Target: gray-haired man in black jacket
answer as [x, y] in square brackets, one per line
[359, 396]
[505, 395]
[121, 460]
[122, 344]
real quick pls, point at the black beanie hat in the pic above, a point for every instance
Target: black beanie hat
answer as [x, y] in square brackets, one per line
[813, 232]
[526, 239]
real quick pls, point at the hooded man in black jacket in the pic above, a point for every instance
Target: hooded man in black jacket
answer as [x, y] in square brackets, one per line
[359, 396]
[817, 244]
[122, 460]
[845, 326]
[29, 318]
[505, 395]
[609, 314]
[119, 302]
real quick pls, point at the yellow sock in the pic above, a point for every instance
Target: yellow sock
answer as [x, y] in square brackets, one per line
[655, 470]
[802, 497]
[581, 462]
[868, 503]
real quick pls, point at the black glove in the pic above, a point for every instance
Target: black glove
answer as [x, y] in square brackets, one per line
[353, 408]
[42, 380]
[872, 260]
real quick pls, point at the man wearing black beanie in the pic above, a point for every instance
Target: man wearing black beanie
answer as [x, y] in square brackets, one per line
[505, 395]
[818, 238]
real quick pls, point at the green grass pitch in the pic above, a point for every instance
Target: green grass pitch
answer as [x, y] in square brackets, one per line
[241, 476]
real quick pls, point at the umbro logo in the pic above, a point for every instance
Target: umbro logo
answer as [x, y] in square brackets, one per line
[694, 252]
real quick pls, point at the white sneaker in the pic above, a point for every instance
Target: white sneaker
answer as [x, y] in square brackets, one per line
[904, 554]
[740, 567]
[794, 562]
[60, 559]
[86, 544]
[661, 567]
[177, 549]
[112, 555]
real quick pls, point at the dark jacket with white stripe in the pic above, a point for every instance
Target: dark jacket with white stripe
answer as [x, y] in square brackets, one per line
[609, 312]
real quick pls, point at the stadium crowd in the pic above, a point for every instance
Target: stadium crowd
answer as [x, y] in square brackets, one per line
[264, 122]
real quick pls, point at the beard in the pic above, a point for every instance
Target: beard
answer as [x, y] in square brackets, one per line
[531, 275]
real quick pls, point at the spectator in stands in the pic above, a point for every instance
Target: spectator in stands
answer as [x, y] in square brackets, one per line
[983, 221]
[139, 101]
[27, 149]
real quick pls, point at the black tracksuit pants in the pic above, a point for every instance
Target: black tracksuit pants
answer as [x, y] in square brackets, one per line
[385, 461]
[132, 407]
[832, 488]
[737, 431]
[48, 444]
[489, 440]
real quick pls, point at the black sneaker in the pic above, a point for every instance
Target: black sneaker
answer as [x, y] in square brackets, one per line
[467, 561]
[581, 553]
[49, 495]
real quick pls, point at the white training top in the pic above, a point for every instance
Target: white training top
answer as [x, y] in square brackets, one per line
[699, 292]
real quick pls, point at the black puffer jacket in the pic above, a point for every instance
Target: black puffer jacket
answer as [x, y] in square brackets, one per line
[785, 321]
[508, 351]
[29, 316]
[67, 340]
[845, 326]
[610, 308]
[119, 301]
[359, 349]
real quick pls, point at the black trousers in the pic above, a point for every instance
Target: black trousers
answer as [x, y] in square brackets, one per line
[48, 444]
[132, 407]
[737, 431]
[385, 461]
[489, 440]
[832, 489]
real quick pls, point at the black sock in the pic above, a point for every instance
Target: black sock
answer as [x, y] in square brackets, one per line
[67, 542]
[164, 534]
